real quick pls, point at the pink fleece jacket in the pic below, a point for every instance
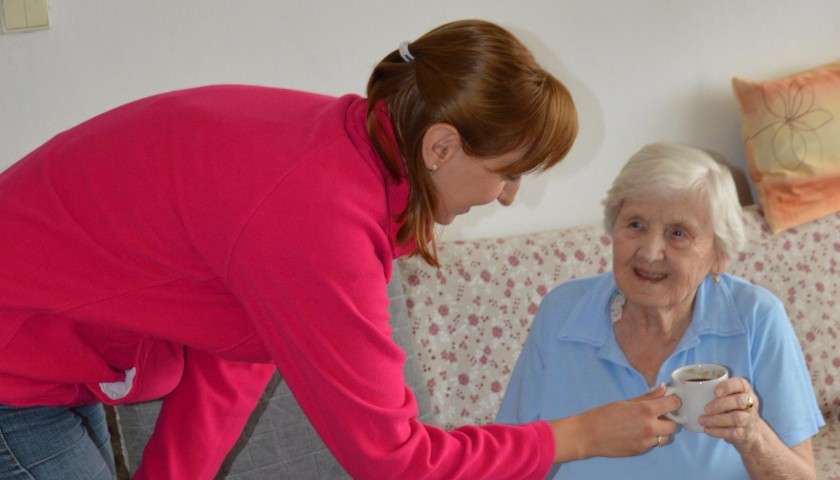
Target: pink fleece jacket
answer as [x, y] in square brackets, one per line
[203, 238]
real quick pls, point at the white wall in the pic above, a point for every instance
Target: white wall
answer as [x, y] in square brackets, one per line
[640, 71]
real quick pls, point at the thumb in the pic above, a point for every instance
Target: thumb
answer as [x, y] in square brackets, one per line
[657, 392]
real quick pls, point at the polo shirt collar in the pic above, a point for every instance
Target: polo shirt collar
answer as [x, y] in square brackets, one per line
[715, 313]
[590, 316]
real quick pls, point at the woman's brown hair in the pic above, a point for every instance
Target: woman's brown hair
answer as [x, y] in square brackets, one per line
[477, 77]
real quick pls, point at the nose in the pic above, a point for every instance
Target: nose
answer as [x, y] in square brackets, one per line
[652, 247]
[509, 191]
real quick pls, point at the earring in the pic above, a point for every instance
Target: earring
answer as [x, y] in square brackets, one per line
[434, 168]
[715, 278]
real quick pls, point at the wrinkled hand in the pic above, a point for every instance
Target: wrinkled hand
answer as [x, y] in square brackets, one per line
[618, 429]
[730, 416]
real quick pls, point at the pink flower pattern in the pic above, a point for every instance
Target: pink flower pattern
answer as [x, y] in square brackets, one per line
[470, 317]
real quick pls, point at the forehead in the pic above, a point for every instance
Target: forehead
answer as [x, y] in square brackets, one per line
[684, 208]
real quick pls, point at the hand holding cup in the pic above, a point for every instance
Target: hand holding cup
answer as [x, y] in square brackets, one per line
[733, 415]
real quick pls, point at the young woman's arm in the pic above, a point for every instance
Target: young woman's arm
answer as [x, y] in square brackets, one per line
[203, 417]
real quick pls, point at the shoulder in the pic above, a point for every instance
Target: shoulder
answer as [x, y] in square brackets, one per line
[265, 109]
[758, 308]
[750, 299]
[226, 94]
[573, 299]
[224, 118]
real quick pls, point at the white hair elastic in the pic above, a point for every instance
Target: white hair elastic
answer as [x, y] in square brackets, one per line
[404, 53]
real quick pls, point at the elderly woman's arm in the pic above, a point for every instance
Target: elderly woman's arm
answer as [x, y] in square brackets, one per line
[765, 456]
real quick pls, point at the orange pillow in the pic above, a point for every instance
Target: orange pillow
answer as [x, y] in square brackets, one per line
[791, 132]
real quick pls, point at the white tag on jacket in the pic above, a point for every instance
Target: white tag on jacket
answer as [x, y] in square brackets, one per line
[118, 390]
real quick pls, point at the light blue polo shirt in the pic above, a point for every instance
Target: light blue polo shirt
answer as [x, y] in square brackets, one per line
[571, 363]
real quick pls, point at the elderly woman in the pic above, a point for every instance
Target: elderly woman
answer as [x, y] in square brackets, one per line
[675, 221]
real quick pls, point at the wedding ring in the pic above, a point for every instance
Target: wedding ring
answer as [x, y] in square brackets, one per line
[749, 403]
[658, 440]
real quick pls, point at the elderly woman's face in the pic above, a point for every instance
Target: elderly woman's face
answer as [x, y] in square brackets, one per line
[663, 249]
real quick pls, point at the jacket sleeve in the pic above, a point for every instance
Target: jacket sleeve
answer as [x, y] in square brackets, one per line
[314, 281]
[202, 418]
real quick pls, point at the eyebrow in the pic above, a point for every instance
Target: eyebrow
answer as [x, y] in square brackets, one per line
[684, 221]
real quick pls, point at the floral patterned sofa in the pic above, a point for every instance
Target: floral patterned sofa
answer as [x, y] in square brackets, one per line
[471, 316]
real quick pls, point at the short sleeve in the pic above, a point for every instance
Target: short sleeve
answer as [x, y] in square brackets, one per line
[781, 380]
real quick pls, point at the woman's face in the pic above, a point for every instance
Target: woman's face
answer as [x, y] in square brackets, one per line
[663, 248]
[464, 182]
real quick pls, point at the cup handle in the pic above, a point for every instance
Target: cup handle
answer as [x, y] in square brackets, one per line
[670, 415]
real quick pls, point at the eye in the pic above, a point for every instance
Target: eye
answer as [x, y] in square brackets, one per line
[634, 224]
[513, 178]
[681, 235]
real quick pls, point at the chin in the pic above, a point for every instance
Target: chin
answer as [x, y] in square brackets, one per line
[445, 218]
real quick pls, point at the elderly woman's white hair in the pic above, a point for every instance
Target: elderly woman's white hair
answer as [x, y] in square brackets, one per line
[663, 169]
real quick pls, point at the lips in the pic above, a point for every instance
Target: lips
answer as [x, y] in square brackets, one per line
[650, 276]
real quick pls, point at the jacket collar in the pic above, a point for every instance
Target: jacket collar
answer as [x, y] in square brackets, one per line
[396, 189]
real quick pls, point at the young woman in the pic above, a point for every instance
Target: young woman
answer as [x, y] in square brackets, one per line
[186, 245]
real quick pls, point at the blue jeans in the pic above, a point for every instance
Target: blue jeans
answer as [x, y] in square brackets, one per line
[55, 443]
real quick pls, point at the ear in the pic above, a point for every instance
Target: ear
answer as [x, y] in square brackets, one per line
[440, 142]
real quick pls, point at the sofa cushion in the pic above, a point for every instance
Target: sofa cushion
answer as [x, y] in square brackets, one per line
[827, 452]
[801, 266]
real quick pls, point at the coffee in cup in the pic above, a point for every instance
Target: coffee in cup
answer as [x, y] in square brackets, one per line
[695, 385]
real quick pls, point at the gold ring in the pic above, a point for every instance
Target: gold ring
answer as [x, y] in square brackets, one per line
[658, 440]
[749, 403]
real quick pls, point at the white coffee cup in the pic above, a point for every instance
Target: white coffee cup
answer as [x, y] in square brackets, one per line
[695, 385]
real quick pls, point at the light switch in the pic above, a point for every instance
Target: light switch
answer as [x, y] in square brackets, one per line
[14, 15]
[25, 15]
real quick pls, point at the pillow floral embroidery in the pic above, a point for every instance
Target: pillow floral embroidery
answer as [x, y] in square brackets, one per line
[791, 133]
[795, 128]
